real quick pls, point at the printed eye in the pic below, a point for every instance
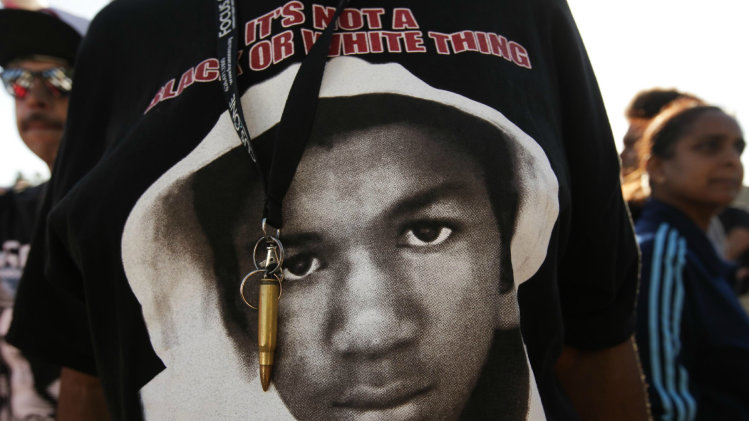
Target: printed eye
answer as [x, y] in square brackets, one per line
[300, 266]
[427, 233]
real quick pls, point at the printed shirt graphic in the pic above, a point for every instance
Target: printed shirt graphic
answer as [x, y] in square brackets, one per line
[430, 216]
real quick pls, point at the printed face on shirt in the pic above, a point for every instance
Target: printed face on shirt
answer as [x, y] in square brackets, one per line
[398, 300]
[391, 291]
[705, 169]
[400, 297]
[391, 283]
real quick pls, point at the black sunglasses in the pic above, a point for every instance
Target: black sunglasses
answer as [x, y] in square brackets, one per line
[18, 82]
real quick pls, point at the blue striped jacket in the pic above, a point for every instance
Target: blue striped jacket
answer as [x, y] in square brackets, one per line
[692, 333]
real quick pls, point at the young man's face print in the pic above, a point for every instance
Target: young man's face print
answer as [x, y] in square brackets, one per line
[390, 299]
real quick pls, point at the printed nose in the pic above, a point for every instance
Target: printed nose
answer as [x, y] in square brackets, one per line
[375, 314]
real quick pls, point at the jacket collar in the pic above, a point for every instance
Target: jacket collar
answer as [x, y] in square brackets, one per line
[655, 213]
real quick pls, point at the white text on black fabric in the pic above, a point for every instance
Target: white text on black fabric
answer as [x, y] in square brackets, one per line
[224, 18]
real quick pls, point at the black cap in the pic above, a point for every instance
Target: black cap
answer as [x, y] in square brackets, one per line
[25, 33]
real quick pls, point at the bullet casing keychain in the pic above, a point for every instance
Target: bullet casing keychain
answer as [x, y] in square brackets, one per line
[267, 327]
[269, 295]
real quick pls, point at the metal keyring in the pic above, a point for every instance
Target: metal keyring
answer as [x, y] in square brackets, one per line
[249, 275]
[280, 252]
[264, 225]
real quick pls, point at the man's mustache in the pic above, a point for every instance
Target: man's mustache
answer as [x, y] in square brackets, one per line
[42, 118]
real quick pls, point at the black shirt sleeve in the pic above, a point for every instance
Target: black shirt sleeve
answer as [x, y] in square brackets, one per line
[598, 268]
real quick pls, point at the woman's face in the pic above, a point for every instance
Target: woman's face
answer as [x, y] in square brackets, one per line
[390, 295]
[705, 170]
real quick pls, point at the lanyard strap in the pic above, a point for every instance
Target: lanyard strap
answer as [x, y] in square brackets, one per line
[298, 113]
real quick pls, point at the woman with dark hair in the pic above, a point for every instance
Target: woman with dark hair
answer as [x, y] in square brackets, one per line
[693, 333]
[643, 109]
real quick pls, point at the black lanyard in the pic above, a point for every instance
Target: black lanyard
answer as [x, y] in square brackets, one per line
[298, 113]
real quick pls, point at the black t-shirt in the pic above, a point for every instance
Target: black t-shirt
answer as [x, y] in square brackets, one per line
[460, 162]
[18, 215]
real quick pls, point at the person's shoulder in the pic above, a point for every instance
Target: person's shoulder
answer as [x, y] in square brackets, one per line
[7, 196]
[555, 9]
[133, 8]
[548, 4]
[32, 193]
[657, 216]
[18, 199]
[17, 192]
[138, 16]
[653, 235]
[139, 30]
[734, 217]
[138, 7]
[21, 197]
[128, 37]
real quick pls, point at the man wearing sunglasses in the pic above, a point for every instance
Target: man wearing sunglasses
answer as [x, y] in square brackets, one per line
[40, 86]
[37, 53]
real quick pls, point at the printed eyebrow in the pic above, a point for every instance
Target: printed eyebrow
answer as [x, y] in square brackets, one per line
[300, 239]
[424, 198]
[414, 202]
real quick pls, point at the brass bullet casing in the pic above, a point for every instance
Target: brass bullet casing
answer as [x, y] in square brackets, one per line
[267, 327]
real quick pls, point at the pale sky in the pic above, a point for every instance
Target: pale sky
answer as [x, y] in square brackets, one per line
[695, 46]
[691, 45]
